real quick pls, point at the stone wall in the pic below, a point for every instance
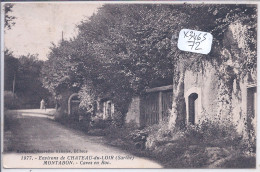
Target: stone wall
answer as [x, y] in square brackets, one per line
[133, 114]
[206, 85]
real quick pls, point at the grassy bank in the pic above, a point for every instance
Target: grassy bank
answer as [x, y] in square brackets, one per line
[208, 146]
[201, 146]
[10, 123]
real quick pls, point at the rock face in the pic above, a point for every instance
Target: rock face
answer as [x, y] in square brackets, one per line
[207, 99]
[133, 114]
[218, 93]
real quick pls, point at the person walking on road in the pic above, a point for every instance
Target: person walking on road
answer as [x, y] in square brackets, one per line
[42, 104]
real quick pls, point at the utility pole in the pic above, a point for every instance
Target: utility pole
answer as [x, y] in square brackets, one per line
[14, 84]
[62, 37]
[13, 90]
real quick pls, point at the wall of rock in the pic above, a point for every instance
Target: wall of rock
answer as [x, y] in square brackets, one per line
[133, 114]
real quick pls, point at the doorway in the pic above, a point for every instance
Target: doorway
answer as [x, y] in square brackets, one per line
[193, 107]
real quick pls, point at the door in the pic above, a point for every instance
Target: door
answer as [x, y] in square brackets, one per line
[166, 103]
[193, 107]
[251, 111]
[149, 109]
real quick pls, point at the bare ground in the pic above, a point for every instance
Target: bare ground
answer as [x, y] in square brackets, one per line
[35, 131]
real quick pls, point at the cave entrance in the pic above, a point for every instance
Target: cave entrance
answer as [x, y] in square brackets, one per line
[193, 107]
[251, 111]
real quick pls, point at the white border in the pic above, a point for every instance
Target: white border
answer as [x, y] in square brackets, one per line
[2, 80]
[132, 2]
[142, 2]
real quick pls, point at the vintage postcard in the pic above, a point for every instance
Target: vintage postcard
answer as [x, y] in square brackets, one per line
[129, 85]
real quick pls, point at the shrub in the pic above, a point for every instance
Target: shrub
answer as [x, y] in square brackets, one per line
[9, 119]
[112, 132]
[211, 133]
[205, 134]
[58, 115]
[131, 124]
[98, 122]
[118, 119]
[79, 119]
[11, 101]
[158, 134]
[139, 138]
[196, 145]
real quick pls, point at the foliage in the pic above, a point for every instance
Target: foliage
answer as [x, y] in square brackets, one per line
[22, 76]
[99, 123]
[10, 70]
[159, 134]
[240, 53]
[57, 69]
[206, 133]
[123, 49]
[87, 95]
[11, 101]
[58, 115]
[118, 119]
[213, 134]
[198, 146]
[9, 19]
[28, 86]
[78, 120]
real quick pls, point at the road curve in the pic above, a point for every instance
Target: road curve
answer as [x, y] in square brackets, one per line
[33, 132]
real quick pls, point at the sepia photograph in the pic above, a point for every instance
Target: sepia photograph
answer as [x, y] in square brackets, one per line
[129, 85]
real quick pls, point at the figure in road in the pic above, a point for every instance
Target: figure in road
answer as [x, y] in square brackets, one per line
[42, 104]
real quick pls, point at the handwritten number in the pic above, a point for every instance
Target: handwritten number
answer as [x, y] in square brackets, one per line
[204, 37]
[198, 44]
[194, 40]
[193, 36]
[199, 38]
[192, 44]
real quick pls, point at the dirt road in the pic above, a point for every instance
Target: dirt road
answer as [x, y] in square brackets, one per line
[32, 131]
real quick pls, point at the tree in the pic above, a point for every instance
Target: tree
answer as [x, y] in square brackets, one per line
[131, 52]
[9, 19]
[11, 63]
[10, 70]
[124, 49]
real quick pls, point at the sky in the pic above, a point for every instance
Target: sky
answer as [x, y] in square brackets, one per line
[37, 25]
